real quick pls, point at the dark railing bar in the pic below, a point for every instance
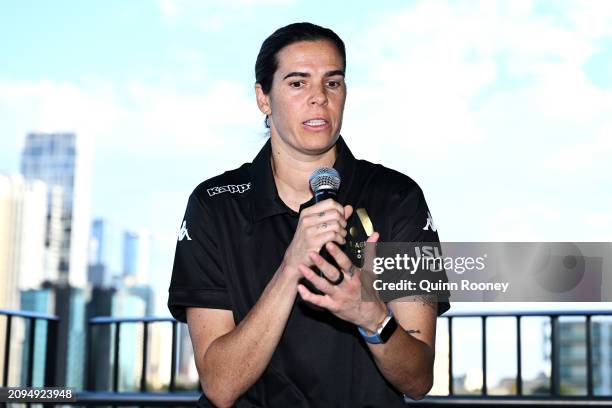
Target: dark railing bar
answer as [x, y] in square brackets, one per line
[484, 354]
[519, 358]
[7, 350]
[51, 353]
[555, 386]
[116, 357]
[109, 319]
[28, 315]
[173, 358]
[90, 384]
[589, 356]
[31, 339]
[533, 313]
[451, 388]
[145, 344]
[191, 398]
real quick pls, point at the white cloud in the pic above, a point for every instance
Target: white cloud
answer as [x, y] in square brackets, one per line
[137, 117]
[54, 106]
[212, 15]
[170, 10]
[491, 97]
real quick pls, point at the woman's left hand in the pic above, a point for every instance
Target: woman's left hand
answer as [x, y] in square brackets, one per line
[345, 299]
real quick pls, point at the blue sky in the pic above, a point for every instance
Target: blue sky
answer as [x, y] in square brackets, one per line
[500, 110]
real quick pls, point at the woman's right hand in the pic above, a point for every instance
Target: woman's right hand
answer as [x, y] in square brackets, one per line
[319, 224]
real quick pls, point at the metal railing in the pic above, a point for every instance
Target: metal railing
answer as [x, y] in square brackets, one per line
[117, 323]
[553, 316]
[174, 398]
[51, 345]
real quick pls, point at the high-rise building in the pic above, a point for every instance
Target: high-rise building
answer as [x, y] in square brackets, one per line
[62, 160]
[136, 253]
[97, 269]
[23, 209]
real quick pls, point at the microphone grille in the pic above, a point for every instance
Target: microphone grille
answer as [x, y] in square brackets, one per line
[325, 178]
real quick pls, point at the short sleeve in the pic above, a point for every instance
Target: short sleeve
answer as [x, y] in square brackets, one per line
[413, 222]
[197, 276]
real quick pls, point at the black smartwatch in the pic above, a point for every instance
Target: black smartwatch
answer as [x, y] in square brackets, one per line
[383, 333]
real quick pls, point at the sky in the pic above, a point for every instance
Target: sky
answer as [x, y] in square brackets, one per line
[500, 110]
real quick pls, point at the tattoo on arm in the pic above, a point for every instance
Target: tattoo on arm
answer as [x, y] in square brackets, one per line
[427, 300]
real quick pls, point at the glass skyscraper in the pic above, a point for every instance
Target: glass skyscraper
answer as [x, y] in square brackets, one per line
[62, 160]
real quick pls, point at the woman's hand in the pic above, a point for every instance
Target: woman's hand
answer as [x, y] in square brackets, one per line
[345, 299]
[318, 224]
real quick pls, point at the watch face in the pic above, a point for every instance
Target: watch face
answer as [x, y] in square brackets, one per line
[388, 330]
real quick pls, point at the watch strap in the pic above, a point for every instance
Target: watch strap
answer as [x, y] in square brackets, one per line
[384, 332]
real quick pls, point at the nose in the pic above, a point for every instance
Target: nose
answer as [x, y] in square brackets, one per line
[319, 96]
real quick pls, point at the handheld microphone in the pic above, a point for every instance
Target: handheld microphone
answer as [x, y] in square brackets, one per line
[324, 183]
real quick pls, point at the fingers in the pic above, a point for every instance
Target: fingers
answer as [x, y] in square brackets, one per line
[320, 283]
[325, 267]
[323, 301]
[323, 206]
[374, 237]
[348, 211]
[340, 257]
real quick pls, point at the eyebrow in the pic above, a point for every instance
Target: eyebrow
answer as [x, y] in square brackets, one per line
[307, 75]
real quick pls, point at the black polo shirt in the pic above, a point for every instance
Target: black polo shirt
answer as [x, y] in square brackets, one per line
[232, 240]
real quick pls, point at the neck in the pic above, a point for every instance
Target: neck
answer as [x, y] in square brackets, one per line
[292, 169]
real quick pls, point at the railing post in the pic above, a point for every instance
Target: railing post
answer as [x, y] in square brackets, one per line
[589, 356]
[145, 343]
[519, 358]
[484, 354]
[51, 354]
[89, 358]
[555, 380]
[173, 358]
[7, 350]
[451, 387]
[116, 357]
[31, 340]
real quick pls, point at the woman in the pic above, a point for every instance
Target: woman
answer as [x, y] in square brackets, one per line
[251, 237]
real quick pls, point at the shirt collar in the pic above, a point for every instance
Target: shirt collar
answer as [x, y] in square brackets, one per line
[265, 199]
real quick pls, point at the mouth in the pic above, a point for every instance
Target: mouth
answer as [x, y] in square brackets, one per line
[316, 124]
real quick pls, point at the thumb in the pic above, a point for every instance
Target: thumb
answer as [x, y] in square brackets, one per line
[374, 237]
[348, 211]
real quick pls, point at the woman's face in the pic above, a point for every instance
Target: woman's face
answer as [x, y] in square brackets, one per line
[307, 98]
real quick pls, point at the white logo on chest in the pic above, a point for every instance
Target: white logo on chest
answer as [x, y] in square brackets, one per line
[230, 188]
[183, 232]
[430, 223]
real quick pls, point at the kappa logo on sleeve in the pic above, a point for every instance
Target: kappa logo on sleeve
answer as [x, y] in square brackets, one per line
[230, 188]
[183, 232]
[430, 223]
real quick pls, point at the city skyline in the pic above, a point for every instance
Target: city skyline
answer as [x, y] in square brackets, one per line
[499, 110]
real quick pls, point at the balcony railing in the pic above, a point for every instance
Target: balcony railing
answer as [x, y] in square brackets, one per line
[174, 398]
[51, 345]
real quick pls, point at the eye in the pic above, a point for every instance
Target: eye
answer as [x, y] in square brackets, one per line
[333, 84]
[296, 84]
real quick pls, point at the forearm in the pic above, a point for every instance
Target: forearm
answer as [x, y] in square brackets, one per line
[405, 362]
[236, 360]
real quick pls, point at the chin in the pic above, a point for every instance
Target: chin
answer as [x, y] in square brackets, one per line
[317, 143]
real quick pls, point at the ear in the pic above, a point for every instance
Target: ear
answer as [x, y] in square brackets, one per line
[263, 100]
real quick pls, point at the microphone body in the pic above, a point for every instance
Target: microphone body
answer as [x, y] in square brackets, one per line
[325, 183]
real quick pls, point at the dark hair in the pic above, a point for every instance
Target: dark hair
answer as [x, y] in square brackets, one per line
[267, 61]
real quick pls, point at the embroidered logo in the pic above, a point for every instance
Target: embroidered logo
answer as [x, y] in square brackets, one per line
[230, 188]
[430, 223]
[183, 232]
